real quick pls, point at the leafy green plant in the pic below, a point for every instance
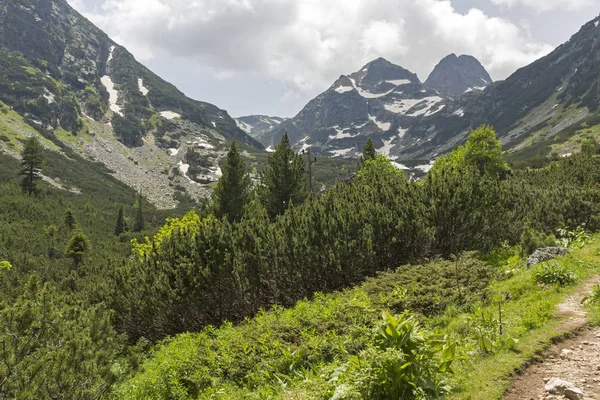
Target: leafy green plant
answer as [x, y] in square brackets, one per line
[5, 265]
[576, 238]
[554, 274]
[406, 363]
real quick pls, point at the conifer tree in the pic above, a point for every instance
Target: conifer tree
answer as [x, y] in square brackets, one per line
[70, 220]
[232, 191]
[139, 215]
[32, 160]
[78, 248]
[589, 146]
[369, 152]
[284, 181]
[121, 225]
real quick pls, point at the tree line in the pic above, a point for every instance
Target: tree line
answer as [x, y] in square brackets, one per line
[256, 246]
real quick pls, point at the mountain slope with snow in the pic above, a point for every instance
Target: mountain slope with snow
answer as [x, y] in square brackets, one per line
[254, 125]
[70, 82]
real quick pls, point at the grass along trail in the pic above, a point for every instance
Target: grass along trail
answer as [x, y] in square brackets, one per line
[575, 360]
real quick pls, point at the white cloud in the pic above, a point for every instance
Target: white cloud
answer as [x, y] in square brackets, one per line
[547, 5]
[308, 43]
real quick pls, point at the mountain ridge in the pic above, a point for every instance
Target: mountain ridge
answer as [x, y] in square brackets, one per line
[72, 83]
[542, 110]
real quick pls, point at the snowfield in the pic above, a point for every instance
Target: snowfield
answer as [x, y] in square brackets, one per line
[169, 114]
[344, 89]
[384, 126]
[143, 89]
[399, 82]
[113, 94]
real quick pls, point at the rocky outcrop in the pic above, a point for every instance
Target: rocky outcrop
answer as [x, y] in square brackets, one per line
[563, 388]
[545, 254]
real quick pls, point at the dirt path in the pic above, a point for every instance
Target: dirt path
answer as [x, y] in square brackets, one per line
[576, 360]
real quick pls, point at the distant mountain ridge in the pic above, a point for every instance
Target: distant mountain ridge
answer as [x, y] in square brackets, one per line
[543, 109]
[254, 125]
[381, 101]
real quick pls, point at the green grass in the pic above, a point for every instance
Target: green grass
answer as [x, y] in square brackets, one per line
[532, 306]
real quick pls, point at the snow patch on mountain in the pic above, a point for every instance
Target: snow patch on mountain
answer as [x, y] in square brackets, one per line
[387, 147]
[169, 115]
[110, 55]
[460, 112]
[384, 126]
[49, 96]
[366, 94]
[399, 82]
[113, 94]
[243, 126]
[143, 89]
[341, 153]
[341, 134]
[344, 89]
[399, 166]
[471, 89]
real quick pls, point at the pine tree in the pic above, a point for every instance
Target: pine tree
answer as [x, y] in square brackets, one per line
[232, 192]
[369, 152]
[121, 225]
[32, 160]
[284, 181]
[70, 220]
[589, 146]
[139, 215]
[78, 248]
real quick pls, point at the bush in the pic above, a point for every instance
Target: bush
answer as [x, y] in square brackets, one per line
[532, 240]
[554, 274]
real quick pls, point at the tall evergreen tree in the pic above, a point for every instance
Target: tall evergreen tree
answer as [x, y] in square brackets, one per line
[139, 215]
[369, 152]
[32, 160]
[284, 181]
[78, 248]
[121, 225]
[70, 220]
[232, 192]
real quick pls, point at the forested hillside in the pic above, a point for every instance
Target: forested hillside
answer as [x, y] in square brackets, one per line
[79, 301]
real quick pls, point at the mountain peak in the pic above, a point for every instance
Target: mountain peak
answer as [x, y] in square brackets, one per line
[457, 75]
[380, 70]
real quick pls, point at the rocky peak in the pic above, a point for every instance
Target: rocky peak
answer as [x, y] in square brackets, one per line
[455, 75]
[381, 70]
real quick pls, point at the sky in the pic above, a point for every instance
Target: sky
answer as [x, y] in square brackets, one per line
[272, 56]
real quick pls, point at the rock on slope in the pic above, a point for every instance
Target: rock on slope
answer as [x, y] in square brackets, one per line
[71, 82]
[457, 75]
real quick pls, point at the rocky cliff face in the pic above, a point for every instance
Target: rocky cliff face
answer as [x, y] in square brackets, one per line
[458, 75]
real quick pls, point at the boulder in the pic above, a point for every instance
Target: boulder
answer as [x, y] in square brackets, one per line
[563, 388]
[545, 254]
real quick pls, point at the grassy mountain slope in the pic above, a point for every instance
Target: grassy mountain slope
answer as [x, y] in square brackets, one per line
[69, 82]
